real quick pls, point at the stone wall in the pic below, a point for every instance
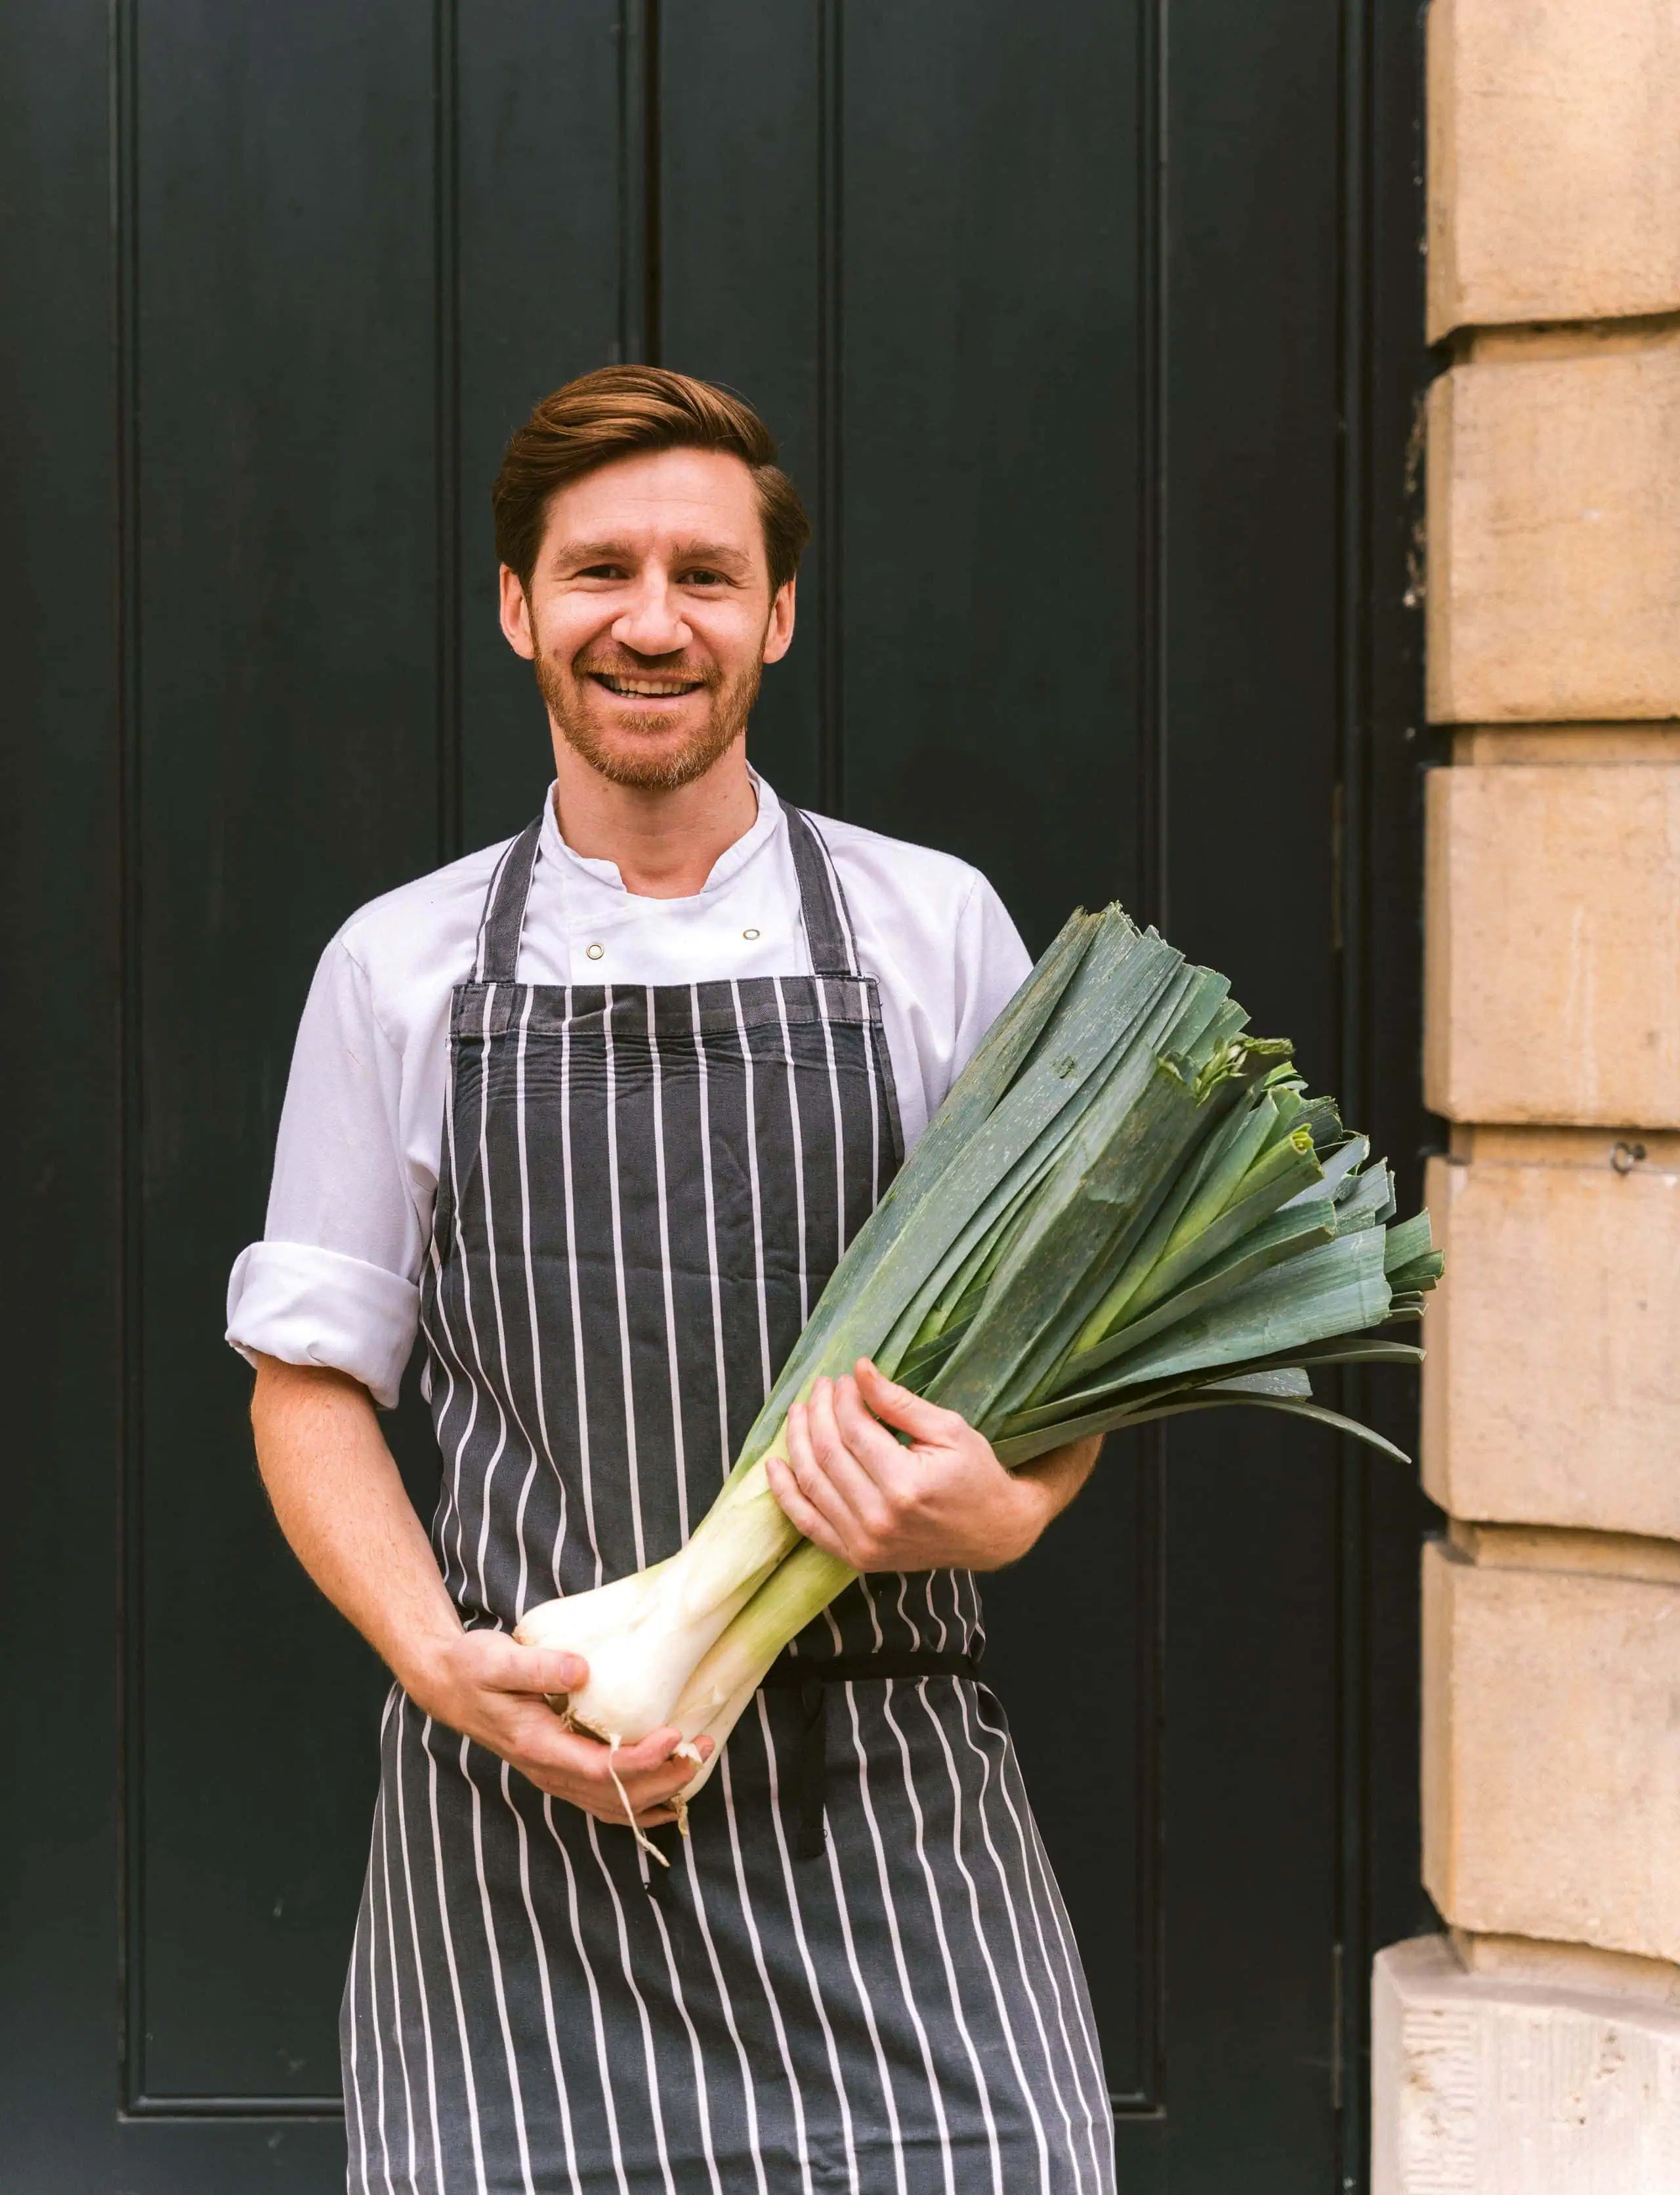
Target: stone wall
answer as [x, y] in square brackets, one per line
[1534, 2048]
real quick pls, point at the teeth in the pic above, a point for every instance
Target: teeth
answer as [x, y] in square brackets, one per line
[651, 689]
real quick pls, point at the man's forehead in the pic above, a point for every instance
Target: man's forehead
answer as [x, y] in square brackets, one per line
[696, 492]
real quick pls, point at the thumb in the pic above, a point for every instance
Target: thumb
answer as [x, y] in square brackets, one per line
[897, 1406]
[545, 1669]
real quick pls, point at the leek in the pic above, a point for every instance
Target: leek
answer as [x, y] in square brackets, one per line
[1126, 1208]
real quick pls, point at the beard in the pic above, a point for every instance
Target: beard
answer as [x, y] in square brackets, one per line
[619, 755]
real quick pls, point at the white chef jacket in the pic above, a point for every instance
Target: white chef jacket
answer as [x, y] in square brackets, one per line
[335, 1280]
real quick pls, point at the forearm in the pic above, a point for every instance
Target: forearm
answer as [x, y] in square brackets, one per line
[342, 1507]
[1055, 1479]
[342, 1504]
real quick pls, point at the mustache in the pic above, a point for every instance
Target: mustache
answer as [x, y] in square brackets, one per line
[701, 674]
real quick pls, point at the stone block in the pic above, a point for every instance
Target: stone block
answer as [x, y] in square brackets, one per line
[1551, 1377]
[1551, 1747]
[1553, 591]
[1554, 743]
[1569, 1966]
[1554, 155]
[1493, 2085]
[1552, 944]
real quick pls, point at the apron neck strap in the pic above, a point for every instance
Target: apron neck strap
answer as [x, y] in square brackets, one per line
[828, 921]
[503, 917]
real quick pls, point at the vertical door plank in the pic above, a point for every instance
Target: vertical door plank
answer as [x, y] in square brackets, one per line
[287, 770]
[540, 192]
[741, 232]
[1253, 550]
[60, 884]
[989, 339]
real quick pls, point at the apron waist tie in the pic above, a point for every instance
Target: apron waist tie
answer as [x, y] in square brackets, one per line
[810, 1679]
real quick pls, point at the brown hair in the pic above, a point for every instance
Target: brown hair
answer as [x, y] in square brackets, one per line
[620, 412]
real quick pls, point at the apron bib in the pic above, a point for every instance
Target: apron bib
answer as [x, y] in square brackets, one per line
[642, 1192]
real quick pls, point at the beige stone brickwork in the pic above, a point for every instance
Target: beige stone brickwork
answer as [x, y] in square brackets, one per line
[1535, 2049]
[1552, 929]
[1541, 2081]
[1552, 1382]
[1551, 1739]
[1553, 160]
[1535, 1964]
[1553, 589]
[1494, 744]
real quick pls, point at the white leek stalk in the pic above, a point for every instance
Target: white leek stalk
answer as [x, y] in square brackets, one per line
[643, 1635]
[726, 1677]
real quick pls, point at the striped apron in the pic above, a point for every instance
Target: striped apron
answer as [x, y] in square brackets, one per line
[641, 1194]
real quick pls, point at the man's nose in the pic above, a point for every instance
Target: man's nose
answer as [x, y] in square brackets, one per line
[652, 624]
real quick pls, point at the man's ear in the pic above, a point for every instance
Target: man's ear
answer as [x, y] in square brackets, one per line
[779, 632]
[516, 615]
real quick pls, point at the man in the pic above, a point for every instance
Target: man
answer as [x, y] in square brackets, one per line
[595, 1111]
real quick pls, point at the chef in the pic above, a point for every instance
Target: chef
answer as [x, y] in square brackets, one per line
[594, 1113]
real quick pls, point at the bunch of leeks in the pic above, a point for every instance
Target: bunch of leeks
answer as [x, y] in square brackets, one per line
[1126, 1208]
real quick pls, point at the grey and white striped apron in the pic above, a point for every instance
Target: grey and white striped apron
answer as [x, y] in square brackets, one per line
[642, 1192]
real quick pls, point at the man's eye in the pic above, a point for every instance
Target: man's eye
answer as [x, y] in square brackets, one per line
[702, 576]
[602, 572]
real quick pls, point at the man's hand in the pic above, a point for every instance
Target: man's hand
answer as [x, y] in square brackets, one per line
[943, 1502]
[492, 1689]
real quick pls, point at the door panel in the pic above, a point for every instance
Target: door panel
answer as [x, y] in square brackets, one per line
[268, 733]
[1089, 603]
[990, 337]
[532, 264]
[745, 165]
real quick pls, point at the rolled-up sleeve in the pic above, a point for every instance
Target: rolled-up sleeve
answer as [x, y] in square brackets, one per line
[334, 1281]
[311, 1306]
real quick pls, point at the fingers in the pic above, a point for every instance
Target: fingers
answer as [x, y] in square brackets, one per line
[897, 1406]
[652, 1751]
[653, 1756]
[802, 1514]
[860, 1459]
[818, 1499]
[847, 1484]
[648, 1774]
[602, 1797]
[884, 1460]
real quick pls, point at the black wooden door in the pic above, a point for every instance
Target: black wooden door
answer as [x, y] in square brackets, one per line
[1088, 331]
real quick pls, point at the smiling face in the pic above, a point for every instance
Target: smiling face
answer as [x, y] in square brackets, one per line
[649, 616]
